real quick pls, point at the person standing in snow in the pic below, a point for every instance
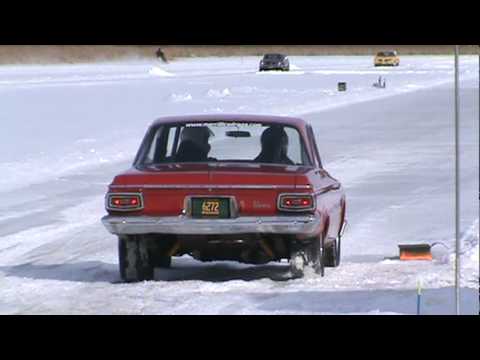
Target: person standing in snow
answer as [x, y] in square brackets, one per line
[161, 55]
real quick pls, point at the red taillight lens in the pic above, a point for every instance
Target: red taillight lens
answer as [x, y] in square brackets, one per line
[296, 202]
[124, 202]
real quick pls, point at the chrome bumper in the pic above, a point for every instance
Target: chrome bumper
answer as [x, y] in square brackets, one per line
[308, 225]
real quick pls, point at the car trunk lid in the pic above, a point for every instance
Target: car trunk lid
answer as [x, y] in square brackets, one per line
[254, 187]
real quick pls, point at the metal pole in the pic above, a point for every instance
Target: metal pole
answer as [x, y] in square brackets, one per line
[457, 189]
[419, 296]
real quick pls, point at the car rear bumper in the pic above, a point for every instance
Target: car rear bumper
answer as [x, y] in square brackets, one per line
[272, 67]
[305, 225]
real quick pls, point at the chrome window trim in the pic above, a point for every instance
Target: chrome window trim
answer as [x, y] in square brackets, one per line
[148, 138]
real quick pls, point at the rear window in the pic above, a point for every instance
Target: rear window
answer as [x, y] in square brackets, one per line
[245, 142]
[274, 57]
[387, 53]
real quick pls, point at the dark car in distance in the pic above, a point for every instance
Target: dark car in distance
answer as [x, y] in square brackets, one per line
[274, 62]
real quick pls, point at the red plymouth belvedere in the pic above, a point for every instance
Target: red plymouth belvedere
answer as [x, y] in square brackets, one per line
[226, 187]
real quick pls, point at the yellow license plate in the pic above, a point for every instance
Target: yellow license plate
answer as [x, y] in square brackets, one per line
[211, 208]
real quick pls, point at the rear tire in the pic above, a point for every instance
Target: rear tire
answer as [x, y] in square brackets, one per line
[311, 255]
[161, 261]
[317, 261]
[333, 253]
[134, 259]
[297, 263]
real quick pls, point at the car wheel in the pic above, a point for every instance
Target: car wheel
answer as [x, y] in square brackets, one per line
[317, 260]
[161, 260]
[297, 263]
[333, 253]
[311, 255]
[134, 259]
[159, 252]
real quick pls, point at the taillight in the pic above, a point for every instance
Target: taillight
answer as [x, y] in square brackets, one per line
[296, 202]
[124, 202]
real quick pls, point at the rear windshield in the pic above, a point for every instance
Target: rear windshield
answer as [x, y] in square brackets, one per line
[245, 142]
[387, 53]
[274, 56]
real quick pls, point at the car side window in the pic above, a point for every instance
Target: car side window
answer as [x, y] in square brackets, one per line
[149, 157]
[315, 148]
[161, 146]
[294, 146]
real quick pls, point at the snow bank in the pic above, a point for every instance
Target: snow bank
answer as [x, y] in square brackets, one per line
[156, 71]
[470, 253]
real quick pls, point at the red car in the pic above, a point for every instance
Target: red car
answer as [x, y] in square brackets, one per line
[226, 187]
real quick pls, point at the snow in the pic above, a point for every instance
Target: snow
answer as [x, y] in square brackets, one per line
[180, 97]
[159, 72]
[67, 130]
[219, 93]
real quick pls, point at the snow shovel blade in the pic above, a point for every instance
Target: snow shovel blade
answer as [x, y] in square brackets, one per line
[415, 252]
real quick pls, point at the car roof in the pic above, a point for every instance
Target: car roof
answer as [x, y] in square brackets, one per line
[268, 119]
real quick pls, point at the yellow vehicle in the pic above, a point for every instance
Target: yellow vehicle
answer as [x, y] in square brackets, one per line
[387, 58]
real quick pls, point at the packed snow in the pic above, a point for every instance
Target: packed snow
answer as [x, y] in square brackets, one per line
[66, 130]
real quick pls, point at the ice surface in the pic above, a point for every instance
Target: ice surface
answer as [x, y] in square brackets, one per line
[65, 131]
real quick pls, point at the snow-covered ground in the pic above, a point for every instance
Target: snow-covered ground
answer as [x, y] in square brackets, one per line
[65, 131]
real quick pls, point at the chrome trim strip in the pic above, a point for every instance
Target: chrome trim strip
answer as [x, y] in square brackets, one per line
[307, 225]
[206, 186]
[327, 189]
[344, 226]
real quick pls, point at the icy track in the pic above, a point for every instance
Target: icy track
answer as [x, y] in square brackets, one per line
[66, 130]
